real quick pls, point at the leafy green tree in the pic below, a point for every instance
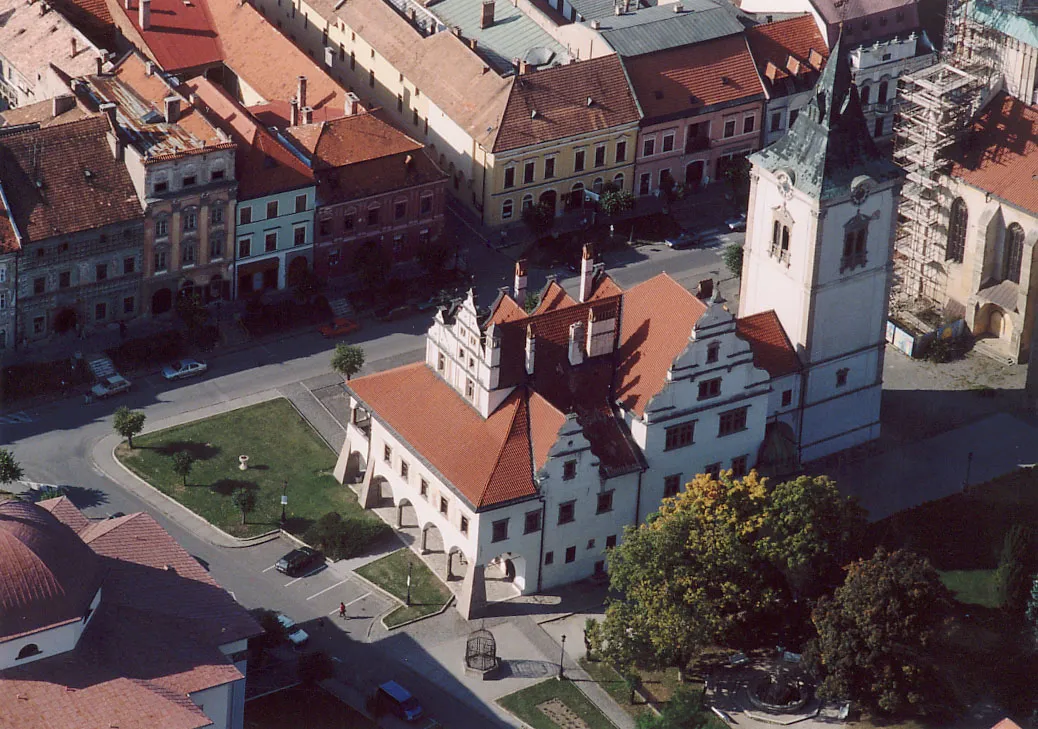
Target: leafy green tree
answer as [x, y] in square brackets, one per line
[372, 265]
[1016, 566]
[347, 359]
[193, 313]
[683, 711]
[244, 500]
[878, 635]
[732, 257]
[539, 218]
[345, 538]
[128, 423]
[615, 202]
[532, 301]
[304, 282]
[10, 470]
[433, 256]
[1032, 609]
[183, 462]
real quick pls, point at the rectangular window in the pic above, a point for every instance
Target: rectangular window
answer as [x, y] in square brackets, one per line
[854, 248]
[464, 525]
[441, 362]
[160, 261]
[499, 531]
[414, 116]
[161, 228]
[671, 484]
[190, 221]
[64, 279]
[404, 469]
[444, 505]
[216, 174]
[532, 522]
[189, 180]
[643, 183]
[713, 470]
[425, 204]
[299, 235]
[776, 121]
[739, 466]
[270, 241]
[347, 221]
[648, 147]
[600, 156]
[37, 325]
[400, 210]
[571, 554]
[793, 114]
[749, 124]
[373, 215]
[567, 512]
[549, 557]
[610, 541]
[353, 60]
[506, 209]
[39, 285]
[621, 151]
[272, 209]
[509, 177]
[590, 544]
[187, 255]
[387, 454]
[578, 161]
[668, 142]
[371, 78]
[216, 215]
[399, 102]
[710, 388]
[161, 187]
[301, 203]
[244, 215]
[244, 247]
[128, 305]
[787, 397]
[605, 502]
[569, 470]
[129, 264]
[470, 389]
[324, 227]
[729, 128]
[3, 300]
[423, 488]
[100, 311]
[679, 436]
[841, 376]
[732, 421]
[549, 168]
[529, 169]
[713, 352]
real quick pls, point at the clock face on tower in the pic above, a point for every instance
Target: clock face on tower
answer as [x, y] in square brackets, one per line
[785, 184]
[860, 192]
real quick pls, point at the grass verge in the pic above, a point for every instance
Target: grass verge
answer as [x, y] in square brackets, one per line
[973, 587]
[524, 705]
[310, 707]
[428, 594]
[282, 447]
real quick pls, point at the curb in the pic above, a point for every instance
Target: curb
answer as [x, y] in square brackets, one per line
[398, 604]
[441, 611]
[307, 420]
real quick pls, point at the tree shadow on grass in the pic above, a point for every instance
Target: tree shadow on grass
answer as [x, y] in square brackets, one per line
[227, 486]
[200, 451]
[299, 525]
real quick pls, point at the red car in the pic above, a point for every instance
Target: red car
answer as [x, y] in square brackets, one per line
[339, 327]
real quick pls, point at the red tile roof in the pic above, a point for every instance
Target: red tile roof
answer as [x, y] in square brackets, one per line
[1001, 155]
[658, 316]
[263, 165]
[279, 114]
[153, 640]
[553, 297]
[552, 104]
[776, 42]
[90, 16]
[75, 184]
[772, 350]
[66, 512]
[181, 35]
[716, 72]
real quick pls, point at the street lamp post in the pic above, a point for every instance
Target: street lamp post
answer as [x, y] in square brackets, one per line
[409, 584]
[562, 656]
[284, 502]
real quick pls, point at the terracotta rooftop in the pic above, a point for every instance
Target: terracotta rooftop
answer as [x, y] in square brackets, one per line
[834, 11]
[1001, 156]
[279, 114]
[181, 35]
[90, 16]
[263, 165]
[66, 512]
[713, 74]
[153, 640]
[772, 350]
[553, 103]
[776, 43]
[31, 41]
[73, 184]
[41, 113]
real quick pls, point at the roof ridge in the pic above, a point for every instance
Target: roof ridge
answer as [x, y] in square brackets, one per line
[520, 400]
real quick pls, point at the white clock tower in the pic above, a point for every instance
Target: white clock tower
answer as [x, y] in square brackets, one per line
[819, 241]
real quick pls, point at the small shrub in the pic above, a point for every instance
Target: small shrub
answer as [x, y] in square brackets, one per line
[943, 350]
[341, 538]
[315, 667]
[732, 257]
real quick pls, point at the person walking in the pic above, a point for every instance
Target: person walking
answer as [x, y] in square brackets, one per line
[342, 610]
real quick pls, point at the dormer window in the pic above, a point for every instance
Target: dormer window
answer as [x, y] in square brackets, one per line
[28, 651]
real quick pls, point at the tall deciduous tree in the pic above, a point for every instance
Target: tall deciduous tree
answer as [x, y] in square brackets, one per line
[1016, 566]
[10, 470]
[1032, 609]
[347, 359]
[128, 423]
[879, 633]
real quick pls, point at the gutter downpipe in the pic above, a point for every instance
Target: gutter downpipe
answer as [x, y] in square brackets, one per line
[540, 555]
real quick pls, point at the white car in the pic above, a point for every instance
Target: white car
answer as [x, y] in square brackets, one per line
[111, 385]
[184, 368]
[296, 636]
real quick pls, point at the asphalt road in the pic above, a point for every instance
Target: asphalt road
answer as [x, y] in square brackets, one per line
[54, 444]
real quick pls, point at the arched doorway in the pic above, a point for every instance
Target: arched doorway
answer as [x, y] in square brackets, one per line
[996, 323]
[575, 199]
[65, 321]
[508, 571]
[216, 287]
[432, 539]
[161, 301]
[549, 198]
[694, 173]
[406, 516]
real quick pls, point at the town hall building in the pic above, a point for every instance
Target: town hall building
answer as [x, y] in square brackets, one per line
[527, 441]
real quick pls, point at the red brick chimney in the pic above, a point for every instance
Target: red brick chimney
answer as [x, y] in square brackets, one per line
[308, 115]
[294, 114]
[486, 18]
[144, 14]
[301, 94]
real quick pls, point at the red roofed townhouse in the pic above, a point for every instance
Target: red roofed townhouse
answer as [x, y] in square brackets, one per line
[379, 195]
[789, 55]
[526, 442]
[702, 107]
[112, 623]
[182, 168]
[276, 195]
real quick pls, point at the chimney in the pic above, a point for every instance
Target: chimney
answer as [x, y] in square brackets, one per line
[293, 120]
[108, 109]
[678, 8]
[144, 14]
[531, 344]
[301, 94]
[587, 272]
[601, 333]
[576, 343]
[408, 161]
[771, 70]
[72, 53]
[149, 68]
[62, 103]
[815, 59]
[100, 65]
[457, 30]
[171, 106]
[524, 68]
[473, 43]
[352, 104]
[596, 24]
[486, 19]
[308, 115]
[515, 65]
[519, 288]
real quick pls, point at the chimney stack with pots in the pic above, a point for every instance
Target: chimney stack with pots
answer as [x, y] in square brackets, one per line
[486, 18]
[301, 94]
[144, 14]
[62, 103]
[587, 272]
[519, 288]
[531, 346]
[294, 113]
[72, 53]
[308, 115]
[100, 65]
[352, 104]
[172, 108]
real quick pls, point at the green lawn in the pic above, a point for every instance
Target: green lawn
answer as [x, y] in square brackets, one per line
[281, 447]
[524, 705]
[428, 593]
[313, 708]
[974, 587]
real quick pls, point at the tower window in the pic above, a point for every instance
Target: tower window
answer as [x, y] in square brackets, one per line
[780, 235]
[958, 220]
[841, 376]
[855, 239]
[1014, 253]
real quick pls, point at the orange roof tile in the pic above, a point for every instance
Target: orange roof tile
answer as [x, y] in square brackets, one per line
[658, 316]
[1001, 156]
[181, 35]
[552, 103]
[776, 42]
[713, 73]
[772, 350]
[66, 512]
[554, 297]
[505, 310]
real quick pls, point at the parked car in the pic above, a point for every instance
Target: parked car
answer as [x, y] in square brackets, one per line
[737, 224]
[296, 636]
[681, 240]
[299, 561]
[184, 368]
[399, 701]
[339, 327]
[111, 385]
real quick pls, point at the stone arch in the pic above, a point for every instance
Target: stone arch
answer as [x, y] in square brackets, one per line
[549, 198]
[161, 301]
[432, 539]
[405, 507]
[992, 320]
[65, 320]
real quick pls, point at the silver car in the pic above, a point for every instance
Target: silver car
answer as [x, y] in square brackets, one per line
[183, 368]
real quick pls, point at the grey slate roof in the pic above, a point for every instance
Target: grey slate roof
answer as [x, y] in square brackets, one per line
[829, 145]
[512, 35]
[659, 28]
[593, 9]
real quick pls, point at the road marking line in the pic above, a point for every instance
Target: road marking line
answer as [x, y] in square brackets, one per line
[328, 588]
[270, 568]
[294, 581]
[357, 599]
